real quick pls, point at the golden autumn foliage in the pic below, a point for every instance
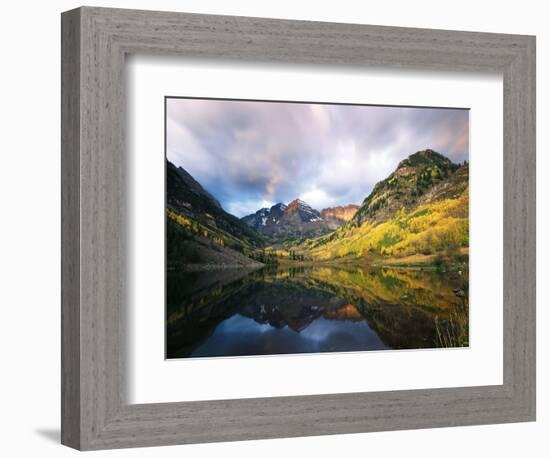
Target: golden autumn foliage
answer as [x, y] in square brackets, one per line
[217, 236]
[432, 228]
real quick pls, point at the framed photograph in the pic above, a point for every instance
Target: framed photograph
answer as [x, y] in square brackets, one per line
[277, 228]
[302, 241]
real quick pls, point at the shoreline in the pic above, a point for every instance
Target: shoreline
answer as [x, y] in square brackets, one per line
[414, 262]
[213, 267]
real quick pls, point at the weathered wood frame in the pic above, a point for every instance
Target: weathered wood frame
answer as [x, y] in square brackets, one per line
[95, 413]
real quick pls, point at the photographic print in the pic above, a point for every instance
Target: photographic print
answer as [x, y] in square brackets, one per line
[296, 227]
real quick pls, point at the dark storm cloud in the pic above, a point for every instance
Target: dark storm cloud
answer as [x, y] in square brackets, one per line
[254, 154]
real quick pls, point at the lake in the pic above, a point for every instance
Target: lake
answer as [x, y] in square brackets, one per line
[314, 309]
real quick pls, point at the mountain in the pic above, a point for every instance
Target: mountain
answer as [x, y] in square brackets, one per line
[297, 220]
[199, 230]
[265, 216]
[415, 181]
[420, 209]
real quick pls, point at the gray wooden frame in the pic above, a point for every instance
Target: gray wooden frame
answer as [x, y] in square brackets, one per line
[95, 413]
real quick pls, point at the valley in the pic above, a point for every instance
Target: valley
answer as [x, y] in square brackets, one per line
[417, 217]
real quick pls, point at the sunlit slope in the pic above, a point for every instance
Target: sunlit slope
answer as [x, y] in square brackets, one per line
[420, 209]
[431, 228]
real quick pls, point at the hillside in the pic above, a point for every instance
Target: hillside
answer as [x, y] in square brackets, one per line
[420, 209]
[199, 230]
[414, 182]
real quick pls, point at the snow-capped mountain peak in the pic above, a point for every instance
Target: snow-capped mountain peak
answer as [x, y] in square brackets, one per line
[304, 210]
[296, 218]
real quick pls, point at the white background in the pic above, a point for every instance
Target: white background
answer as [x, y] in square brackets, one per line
[29, 233]
[155, 380]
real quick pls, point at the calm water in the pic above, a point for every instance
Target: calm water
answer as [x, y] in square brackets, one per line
[317, 309]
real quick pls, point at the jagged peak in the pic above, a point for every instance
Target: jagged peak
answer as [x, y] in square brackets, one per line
[299, 203]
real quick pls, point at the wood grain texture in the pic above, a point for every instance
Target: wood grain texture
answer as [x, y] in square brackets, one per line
[70, 229]
[96, 414]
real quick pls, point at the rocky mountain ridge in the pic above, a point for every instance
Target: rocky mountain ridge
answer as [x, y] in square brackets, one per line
[298, 219]
[341, 213]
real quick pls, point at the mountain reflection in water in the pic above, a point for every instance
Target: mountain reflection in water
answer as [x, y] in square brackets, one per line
[234, 312]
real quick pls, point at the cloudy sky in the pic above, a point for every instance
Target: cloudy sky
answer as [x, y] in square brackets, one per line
[251, 155]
